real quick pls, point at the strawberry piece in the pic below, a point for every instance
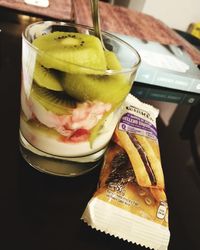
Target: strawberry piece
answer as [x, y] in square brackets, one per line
[80, 135]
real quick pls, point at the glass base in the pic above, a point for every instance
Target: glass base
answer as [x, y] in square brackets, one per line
[60, 166]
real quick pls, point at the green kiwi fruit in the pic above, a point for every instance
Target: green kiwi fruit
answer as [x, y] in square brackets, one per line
[112, 61]
[47, 78]
[71, 52]
[56, 101]
[106, 88]
[95, 130]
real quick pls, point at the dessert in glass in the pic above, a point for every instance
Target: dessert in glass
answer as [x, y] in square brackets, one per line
[71, 93]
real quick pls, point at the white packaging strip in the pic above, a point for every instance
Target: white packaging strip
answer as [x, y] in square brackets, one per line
[117, 222]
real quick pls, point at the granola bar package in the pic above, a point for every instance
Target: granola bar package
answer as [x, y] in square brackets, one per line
[130, 201]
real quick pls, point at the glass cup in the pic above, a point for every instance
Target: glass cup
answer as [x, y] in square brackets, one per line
[71, 94]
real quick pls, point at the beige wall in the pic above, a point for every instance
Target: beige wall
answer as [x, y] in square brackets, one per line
[135, 4]
[175, 13]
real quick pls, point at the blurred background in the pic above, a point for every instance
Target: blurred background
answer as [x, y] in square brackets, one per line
[177, 14]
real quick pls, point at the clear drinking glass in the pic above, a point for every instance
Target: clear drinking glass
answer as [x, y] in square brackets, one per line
[69, 110]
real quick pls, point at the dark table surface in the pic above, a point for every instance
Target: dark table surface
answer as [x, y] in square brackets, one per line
[40, 211]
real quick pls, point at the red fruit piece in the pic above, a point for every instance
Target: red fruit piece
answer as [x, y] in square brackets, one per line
[80, 135]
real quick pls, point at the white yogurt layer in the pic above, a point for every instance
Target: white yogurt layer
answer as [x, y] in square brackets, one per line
[51, 144]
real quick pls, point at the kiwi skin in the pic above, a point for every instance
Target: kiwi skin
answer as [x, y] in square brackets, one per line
[71, 52]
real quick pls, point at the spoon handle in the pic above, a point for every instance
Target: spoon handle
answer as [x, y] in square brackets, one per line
[96, 20]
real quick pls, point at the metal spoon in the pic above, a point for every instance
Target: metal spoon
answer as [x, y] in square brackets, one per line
[96, 20]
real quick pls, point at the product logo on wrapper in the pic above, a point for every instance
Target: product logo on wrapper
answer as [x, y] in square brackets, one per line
[135, 124]
[140, 111]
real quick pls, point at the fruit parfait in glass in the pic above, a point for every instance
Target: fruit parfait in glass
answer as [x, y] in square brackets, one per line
[71, 93]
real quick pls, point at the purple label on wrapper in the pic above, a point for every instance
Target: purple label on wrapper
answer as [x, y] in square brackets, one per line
[137, 125]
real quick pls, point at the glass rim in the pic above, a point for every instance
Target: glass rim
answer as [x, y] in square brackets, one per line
[133, 68]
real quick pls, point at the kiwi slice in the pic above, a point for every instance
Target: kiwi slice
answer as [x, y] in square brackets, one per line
[95, 130]
[106, 88]
[71, 52]
[57, 102]
[112, 61]
[47, 78]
